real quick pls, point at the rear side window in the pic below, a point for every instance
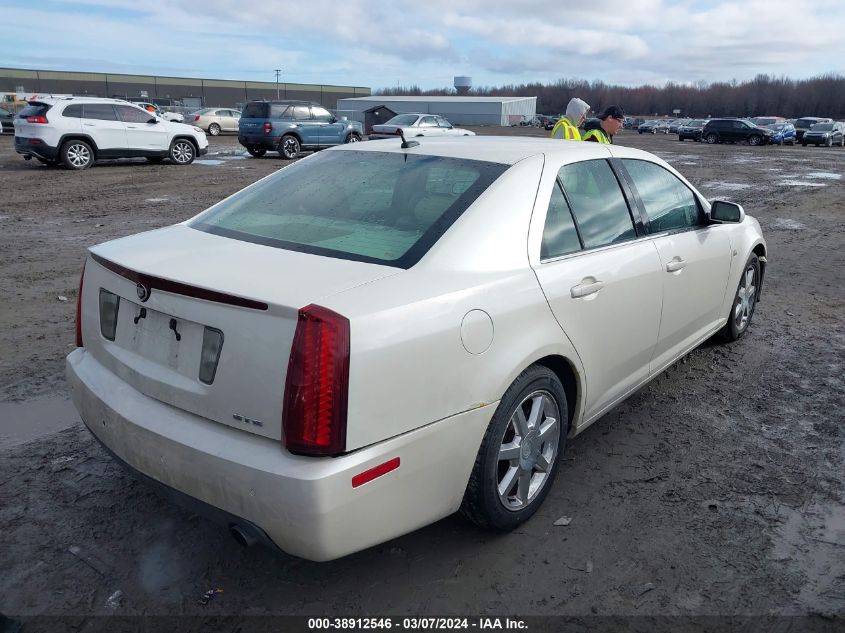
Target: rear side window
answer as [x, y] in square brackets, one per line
[378, 207]
[280, 111]
[559, 235]
[73, 112]
[598, 203]
[34, 109]
[101, 111]
[668, 202]
[301, 113]
[255, 111]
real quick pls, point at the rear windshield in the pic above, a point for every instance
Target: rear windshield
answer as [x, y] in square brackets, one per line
[762, 120]
[696, 123]
[378, 207]
[806, 122]
[34, 109]
[203, 111]
[822, 127]
[403, 119]
[255, 111]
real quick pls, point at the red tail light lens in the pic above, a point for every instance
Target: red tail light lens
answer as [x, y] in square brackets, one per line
[268, 127]
[317, 384]
[37, 119]
[196, 117]
[79, 309]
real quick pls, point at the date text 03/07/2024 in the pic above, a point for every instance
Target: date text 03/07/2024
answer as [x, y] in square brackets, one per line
[415, 624]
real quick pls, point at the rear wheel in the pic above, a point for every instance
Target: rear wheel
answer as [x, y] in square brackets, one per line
[520, 452]
[745, 300]
[77, 155]
[256, 151]
[289, 147]
[711, 139]
[214, 129]
[182, 152]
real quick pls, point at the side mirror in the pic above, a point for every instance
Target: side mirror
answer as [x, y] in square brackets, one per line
[153, 120]
[722, 211]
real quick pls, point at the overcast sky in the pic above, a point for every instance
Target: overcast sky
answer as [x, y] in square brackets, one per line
[428, 42]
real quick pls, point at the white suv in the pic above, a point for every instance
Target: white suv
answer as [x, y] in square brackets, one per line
[79, 130]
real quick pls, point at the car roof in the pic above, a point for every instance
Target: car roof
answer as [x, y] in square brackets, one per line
[507, 150]
[57, 100]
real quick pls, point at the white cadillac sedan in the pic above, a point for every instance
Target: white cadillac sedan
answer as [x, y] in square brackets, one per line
[412, 125]
[376, 337]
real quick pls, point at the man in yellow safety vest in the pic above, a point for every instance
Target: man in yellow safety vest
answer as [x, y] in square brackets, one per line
[567, 127]
[601, 130]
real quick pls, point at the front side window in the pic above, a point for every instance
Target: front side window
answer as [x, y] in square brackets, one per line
[128, 114]
[428, 121]
[321, 114]
[443, 122]
[560, 236]
[99, 111]
[380, 207]
[597, 202]
[669, 203]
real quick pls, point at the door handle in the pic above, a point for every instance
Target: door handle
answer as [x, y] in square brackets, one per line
[583, 290]
[89, 124]
[132, 127]
[675, 265]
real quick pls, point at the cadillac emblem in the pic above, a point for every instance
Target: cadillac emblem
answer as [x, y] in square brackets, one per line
[143, 292]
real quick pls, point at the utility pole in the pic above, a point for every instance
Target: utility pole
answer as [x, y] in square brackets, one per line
[278, 72]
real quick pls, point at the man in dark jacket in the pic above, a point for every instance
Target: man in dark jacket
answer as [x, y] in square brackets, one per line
[601, 130]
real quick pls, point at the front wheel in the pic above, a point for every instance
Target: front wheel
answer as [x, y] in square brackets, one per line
[711, 139]
[289, 147]
[77, 155]
[519, 455]
[214, 129]
[829, 142]
[745, 300]
[755, 139]
[182, 152]
[354, 137]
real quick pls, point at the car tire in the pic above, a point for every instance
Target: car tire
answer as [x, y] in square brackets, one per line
[680, 139]
[354, 137]
[76, 155]
[518, 453]
[829, 142]
[745, 300]
[182, 151]
[256, 152]
[755, 139]
[842, 141]
[711, 139]
[214, 129]
[289, 147]
[803, 144]
[155, 159]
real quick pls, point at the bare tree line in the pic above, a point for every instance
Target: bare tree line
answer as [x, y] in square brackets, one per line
[823, 95]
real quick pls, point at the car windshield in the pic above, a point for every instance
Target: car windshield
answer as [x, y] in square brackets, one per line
[403, 119]
[378, 207]
[696, 123]
[822, 127]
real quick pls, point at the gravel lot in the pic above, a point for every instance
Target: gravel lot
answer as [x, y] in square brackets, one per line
[716, 490]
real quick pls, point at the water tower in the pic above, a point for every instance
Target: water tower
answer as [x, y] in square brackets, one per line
[463, 85]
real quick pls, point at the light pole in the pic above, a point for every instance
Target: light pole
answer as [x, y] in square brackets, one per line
[278, 72]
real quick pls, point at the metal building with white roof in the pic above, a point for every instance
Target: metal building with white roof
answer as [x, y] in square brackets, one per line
[459, 110]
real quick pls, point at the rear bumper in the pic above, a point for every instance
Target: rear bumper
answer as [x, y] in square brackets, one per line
[305, 506]
[35, 147]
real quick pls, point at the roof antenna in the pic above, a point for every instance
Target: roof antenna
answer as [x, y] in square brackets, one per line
[406, 144]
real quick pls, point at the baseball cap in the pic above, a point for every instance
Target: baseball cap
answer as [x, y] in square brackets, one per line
[614, 112]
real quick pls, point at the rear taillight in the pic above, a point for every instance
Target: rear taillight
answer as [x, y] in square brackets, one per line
[268, 127]
[79, 309]
[196, 117]
[37, 119]
[317, 384]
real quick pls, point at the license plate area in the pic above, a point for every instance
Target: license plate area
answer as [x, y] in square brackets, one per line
[163, 338]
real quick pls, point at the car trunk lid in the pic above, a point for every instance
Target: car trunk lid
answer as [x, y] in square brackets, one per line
[180, 289]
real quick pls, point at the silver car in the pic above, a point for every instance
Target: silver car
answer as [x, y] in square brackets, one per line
[216, 120]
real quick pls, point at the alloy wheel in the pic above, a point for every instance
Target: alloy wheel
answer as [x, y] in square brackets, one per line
[183, 152]
[79, 155]
[528, 450]
[746, 296]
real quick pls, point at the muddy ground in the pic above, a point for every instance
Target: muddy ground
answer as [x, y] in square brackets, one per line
[717, 490]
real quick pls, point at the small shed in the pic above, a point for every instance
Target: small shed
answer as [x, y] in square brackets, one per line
[375, 116]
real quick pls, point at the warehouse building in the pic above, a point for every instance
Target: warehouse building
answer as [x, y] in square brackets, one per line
[460, 110]
[182, 91]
